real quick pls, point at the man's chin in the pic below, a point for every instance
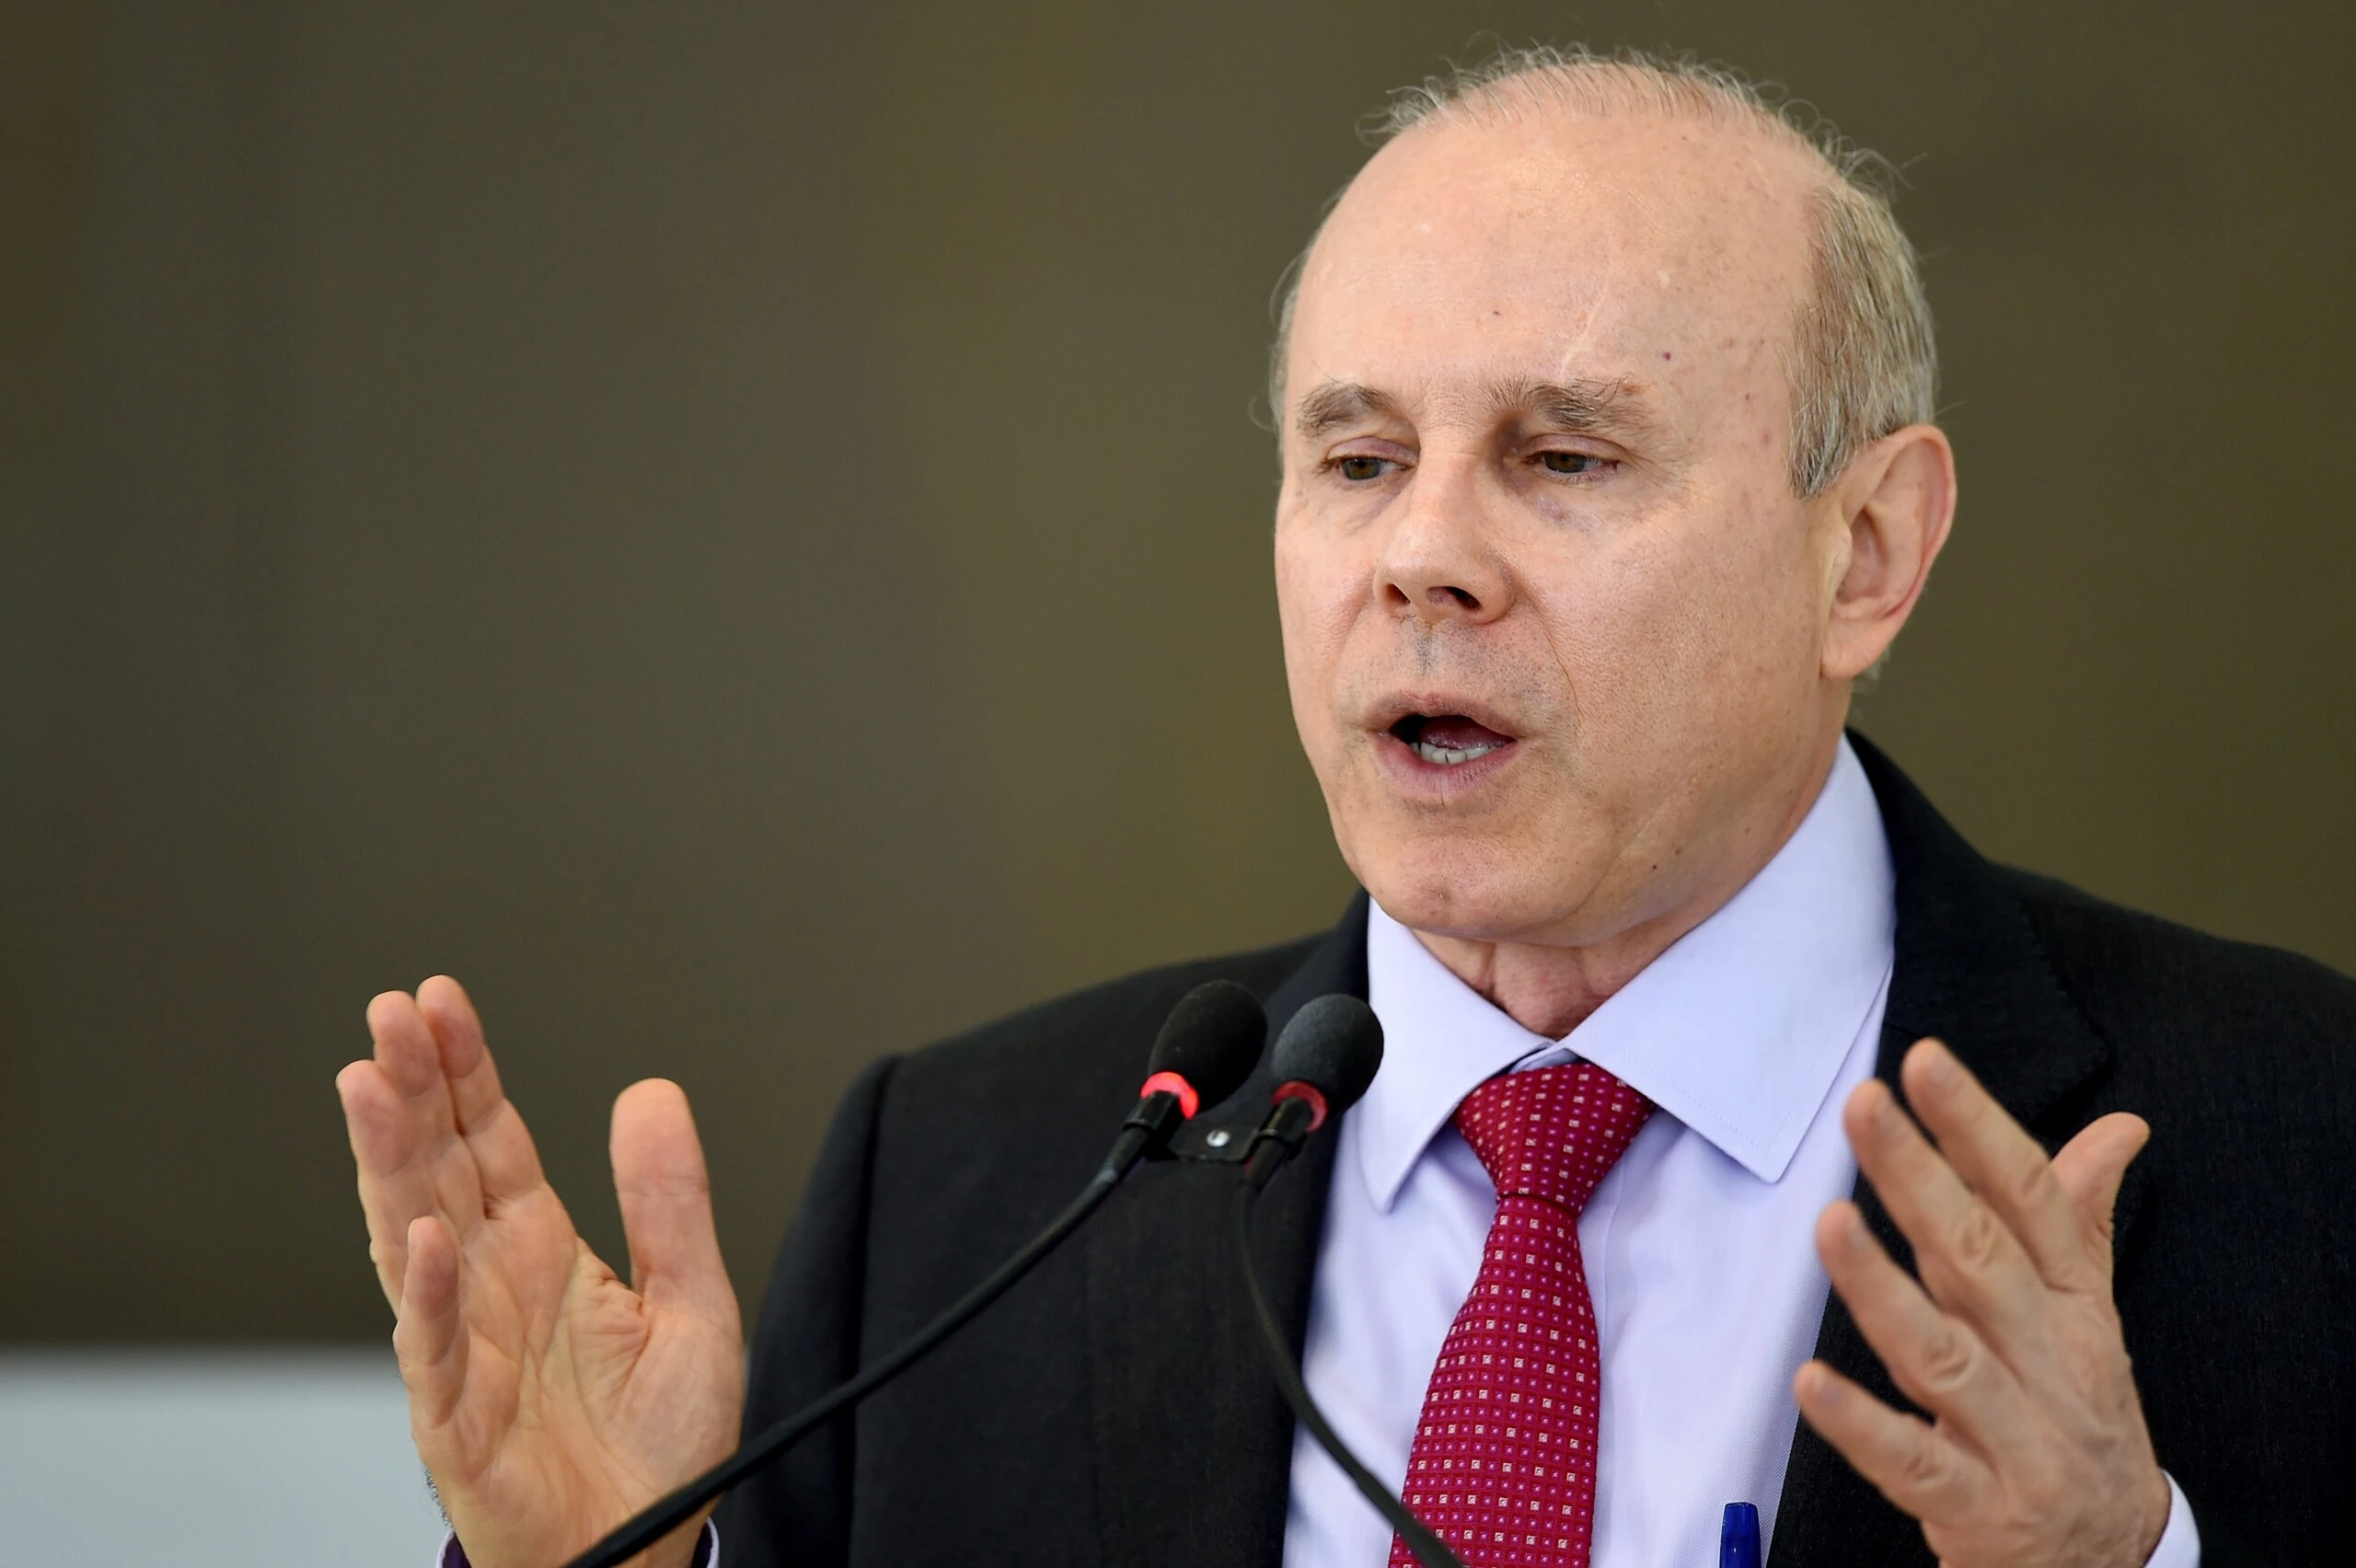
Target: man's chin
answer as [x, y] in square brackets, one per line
[1470, 898]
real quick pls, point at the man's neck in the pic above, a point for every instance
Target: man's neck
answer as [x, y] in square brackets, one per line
[1550, 989]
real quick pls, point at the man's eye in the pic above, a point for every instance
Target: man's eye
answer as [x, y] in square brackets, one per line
[1358, 470]
[1570, 462]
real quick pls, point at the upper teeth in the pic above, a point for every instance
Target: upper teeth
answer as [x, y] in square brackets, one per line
[1449, 757]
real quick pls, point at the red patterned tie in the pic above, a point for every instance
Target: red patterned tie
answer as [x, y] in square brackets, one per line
[1504, 1462]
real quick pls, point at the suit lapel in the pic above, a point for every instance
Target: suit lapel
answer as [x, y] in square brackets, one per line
[1970, 969]
[1194, 1444]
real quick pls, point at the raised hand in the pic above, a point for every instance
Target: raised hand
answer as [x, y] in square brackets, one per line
[549, 1399]
[2038, 1456]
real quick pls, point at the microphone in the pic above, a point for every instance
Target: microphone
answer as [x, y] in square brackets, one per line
[1206, 1048]
[1204, 1053]
[1324, 1059]
[1326, 1056]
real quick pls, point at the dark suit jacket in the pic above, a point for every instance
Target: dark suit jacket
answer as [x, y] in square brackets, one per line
[1114, 1408]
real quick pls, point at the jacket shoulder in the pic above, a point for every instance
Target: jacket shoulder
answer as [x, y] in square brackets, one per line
[1034, 1095]
[2202, 1022]
[2124, 959]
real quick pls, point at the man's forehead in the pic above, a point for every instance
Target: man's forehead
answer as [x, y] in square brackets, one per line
[1565, 243]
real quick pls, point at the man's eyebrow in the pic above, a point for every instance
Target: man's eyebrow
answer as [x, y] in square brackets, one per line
[1617, 407]
[1586, 406]
[1338, 403]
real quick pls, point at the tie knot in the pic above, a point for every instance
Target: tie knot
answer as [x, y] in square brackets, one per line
[1551, 1132]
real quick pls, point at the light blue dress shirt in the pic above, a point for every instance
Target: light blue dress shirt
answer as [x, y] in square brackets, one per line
[1748, 1034]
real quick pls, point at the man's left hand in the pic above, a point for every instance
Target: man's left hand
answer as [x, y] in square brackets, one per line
[2038, 1454]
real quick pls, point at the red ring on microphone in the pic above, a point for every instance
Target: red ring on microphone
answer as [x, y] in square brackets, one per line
[1308, 1092]
[1170, 1083]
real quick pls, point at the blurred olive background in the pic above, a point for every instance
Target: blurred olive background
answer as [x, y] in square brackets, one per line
[738, 530]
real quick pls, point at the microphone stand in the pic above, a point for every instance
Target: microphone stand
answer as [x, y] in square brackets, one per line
[1150, 1123]
[1271, 1147]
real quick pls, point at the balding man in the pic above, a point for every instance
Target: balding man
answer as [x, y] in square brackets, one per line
[1605, 404]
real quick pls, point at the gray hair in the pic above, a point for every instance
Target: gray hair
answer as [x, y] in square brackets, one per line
[1862, 359]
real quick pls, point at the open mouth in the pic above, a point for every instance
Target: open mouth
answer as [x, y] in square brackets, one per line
[1448, 740]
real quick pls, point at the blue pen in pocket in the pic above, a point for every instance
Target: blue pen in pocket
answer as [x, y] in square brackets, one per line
[1738, 1536]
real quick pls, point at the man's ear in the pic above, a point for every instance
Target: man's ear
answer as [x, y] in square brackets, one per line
[1892, 508]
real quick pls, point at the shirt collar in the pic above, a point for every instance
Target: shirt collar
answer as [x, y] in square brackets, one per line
[1736, 1031]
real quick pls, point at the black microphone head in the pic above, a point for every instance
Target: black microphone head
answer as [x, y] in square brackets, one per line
[1334, 1044]
[1211, 1039]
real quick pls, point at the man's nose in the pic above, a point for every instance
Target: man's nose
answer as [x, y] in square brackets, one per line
[1438, 563]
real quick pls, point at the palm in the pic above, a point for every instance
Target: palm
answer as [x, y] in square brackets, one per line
[548, 1399]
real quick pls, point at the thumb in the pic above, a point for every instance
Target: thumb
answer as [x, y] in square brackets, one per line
[2090, 1168]
[665, 1197]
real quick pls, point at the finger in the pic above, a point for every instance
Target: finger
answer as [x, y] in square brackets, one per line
[2001, 1163]
[1936, 1360]
[380, 1150]
[405, 1135]
[420, 1129]
[1916, 1468]
[429, 1335]
[1969, 1260]
[506, 1162]
[665, 1195]
[410, 1057]
[465, 1059]
[2089, 1169]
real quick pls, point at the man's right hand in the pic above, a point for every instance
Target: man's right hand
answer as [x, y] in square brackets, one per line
[549, 1399]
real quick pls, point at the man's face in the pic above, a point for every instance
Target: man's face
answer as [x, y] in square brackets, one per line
[1552, 616]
